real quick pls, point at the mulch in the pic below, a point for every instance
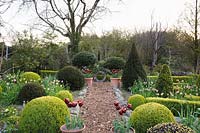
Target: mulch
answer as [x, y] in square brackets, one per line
[98, 111]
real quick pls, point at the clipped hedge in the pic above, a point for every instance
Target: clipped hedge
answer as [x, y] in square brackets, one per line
[43, 115]
[45, 73]
[192, 98]
[176, 105]
[176, 79]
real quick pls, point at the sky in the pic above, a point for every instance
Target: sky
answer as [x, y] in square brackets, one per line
[129, 16]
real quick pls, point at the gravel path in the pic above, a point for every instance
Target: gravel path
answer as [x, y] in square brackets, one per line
[98, 111]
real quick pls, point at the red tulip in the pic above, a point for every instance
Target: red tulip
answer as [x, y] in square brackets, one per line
[118, 107]
[74, 104]
[70, 104]
[116, 103]
[66, 100]
[129, 106]
[80, 103]
[121, 111]
[124, 109]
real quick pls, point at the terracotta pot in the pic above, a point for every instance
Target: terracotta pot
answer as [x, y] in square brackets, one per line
[63, 129]
[89, 81]
[131, 130]
[115, 82]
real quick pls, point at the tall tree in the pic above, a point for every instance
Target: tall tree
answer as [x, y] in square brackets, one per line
[192, 19]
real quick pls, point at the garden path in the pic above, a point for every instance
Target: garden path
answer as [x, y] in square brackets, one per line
[98, 111]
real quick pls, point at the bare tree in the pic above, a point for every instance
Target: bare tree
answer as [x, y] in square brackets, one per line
[68, 17]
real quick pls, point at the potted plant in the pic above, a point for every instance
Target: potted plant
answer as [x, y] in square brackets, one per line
[115, 78]
[121, 125]
[73, 124]
[88, 76]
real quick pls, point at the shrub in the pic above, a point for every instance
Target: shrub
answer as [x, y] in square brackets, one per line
[175, 105]
[164, 84]
[71, 76]
[136, 100]
[133, 69]
[30, 77]
[44, 114]
[30, 91]
[84, 59]
[114, 63]
[64, 94]
[149, 115]
[170, 128]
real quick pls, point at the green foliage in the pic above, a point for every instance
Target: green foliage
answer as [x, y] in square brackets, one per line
[84, 59]
[30, 77]
[133, 70]
[30, 91]
[191, 118]
[170, 128]
[71, 76]
[136, 100]
[1, 90]
[12, 124]
[74, 122]
[44, 114]
[114, 63]
[121, 126]
[149, 115]
[164, 84]
[198, 85]
[52, 85]
[176, 105]
[46, 73]
[64, 94]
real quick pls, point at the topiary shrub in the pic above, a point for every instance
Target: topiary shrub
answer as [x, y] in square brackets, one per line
[64, 94]
[30, 77]
[149, 115]
[136, 100]
[71, 76]
[30, 91]
[43, 115]
[114, 63]
[84, 59]
[170, 128]
[164, 83]
[133, 69]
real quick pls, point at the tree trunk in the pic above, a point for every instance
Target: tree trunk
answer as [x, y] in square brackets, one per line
[196, 53]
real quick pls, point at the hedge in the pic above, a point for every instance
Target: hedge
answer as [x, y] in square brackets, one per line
[176, 105]
[176, 79]
[45, 73]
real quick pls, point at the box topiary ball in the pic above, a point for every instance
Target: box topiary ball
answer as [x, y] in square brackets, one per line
[71, 76]
[30, 77]
[136, 100]
[149, 115]
[30, 91]
[64, 94]
[43, 115]
[170, 128]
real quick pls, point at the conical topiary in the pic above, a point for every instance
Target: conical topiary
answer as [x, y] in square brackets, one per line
[133, 69]
[164, 83]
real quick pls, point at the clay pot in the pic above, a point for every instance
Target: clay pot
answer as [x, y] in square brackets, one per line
[89, 81]
[115, 82]
[63, 129]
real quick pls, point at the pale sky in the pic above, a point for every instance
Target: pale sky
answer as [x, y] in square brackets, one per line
[129, 15]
